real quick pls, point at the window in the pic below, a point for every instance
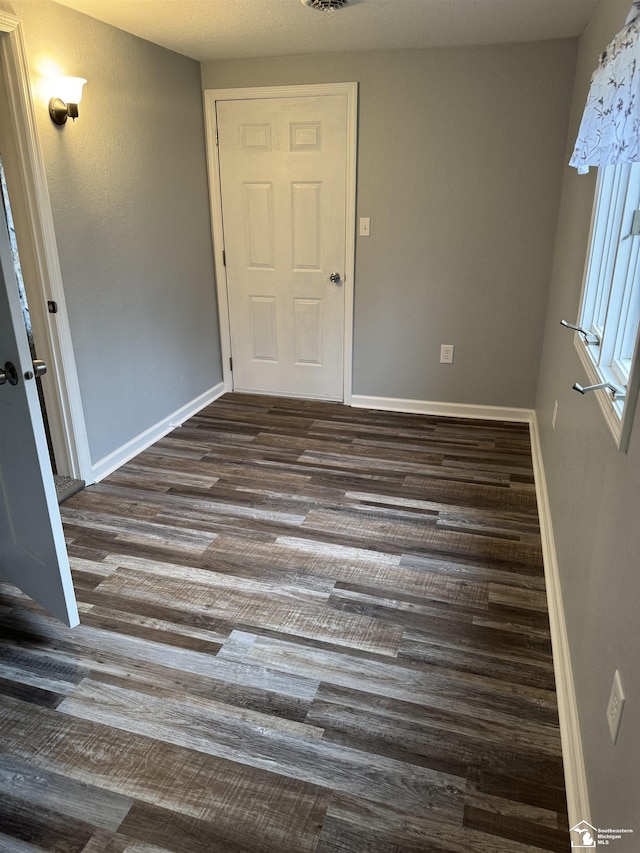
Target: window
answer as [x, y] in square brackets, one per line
[610, 309]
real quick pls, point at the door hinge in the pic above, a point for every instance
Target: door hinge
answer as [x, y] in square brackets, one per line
[216, 135]
[231, 364]
[224, 258]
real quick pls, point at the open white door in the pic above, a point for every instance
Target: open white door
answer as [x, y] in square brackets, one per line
[33, 555]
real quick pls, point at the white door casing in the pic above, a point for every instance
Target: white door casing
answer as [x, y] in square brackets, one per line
[31, 209]
[33, 555]
[282, 183]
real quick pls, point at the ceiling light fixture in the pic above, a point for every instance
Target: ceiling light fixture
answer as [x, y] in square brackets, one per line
[325, 5]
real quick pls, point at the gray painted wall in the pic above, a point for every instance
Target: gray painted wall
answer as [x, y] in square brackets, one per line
[129, 195]
[459, 167]
[595, 499]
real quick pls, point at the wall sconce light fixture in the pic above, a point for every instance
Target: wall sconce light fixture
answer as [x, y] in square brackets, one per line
[69, 91]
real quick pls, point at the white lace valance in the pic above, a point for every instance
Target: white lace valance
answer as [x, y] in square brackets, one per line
[610, 128]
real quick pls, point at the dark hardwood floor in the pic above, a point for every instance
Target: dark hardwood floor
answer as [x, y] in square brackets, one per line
[305, 627]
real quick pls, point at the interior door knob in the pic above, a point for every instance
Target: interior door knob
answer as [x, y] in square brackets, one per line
[39, 369]
[335, 277]
[9, 374]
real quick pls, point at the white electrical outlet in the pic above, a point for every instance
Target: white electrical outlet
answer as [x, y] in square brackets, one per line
[446, 354]
[615, 706]
[554, 415]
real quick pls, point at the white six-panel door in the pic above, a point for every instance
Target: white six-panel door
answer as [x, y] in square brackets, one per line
[283, 181]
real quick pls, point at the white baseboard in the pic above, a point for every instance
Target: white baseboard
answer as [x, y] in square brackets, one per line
[123, 454]
[446, 410]
[572, 755]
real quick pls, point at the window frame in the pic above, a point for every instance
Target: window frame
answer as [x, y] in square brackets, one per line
[611, 285]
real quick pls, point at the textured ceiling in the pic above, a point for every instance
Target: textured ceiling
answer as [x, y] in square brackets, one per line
[224, 29]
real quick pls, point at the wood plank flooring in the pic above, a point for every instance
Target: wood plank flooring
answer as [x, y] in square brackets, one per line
[305, 629]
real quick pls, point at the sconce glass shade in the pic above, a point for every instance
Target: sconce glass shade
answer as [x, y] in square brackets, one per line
[69, 89]
[66, 102]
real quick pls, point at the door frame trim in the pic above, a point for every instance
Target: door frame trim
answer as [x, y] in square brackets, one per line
[71, 445]
[211, 97]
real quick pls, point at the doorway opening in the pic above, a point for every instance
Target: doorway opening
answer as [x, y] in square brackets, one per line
[282, 166]
[65, 486]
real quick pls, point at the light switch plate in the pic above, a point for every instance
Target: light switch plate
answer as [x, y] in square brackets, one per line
[365, 226]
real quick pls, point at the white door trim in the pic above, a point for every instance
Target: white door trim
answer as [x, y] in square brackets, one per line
[72, 446]
[211, 96]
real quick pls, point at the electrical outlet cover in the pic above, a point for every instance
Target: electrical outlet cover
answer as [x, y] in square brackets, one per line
[446, 354]
[615, 706]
